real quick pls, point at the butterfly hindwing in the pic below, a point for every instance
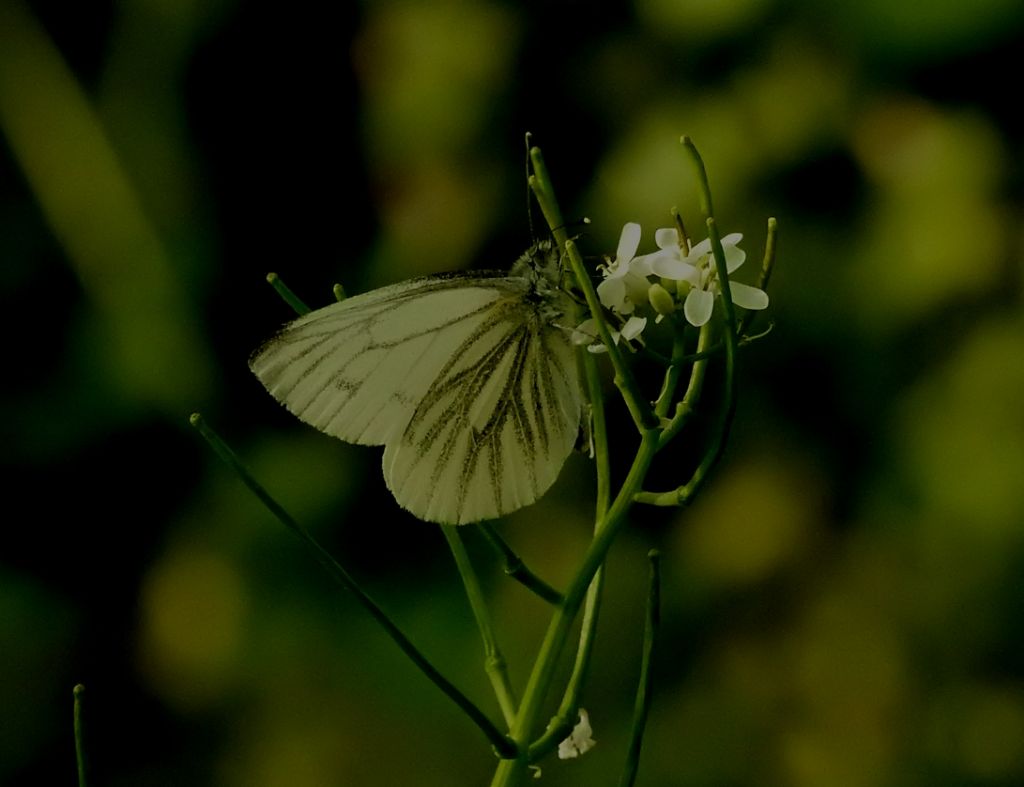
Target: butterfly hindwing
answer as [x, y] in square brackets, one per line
[492, 432]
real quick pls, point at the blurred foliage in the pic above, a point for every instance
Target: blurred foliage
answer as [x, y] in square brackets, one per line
[843, 605]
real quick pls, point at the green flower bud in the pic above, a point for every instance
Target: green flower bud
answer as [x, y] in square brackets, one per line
[660, 299]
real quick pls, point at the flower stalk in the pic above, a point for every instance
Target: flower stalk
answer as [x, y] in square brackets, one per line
[644, 691]
[656, 430]
[494, 660]
[502, 744]
[514, 567]
[79, 694]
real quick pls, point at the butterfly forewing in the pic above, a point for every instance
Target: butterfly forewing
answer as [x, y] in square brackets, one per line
[466, 379]
[357, 369]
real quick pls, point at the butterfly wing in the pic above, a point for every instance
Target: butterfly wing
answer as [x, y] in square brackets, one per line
[462, 377]
[493, 430]
[358, 369]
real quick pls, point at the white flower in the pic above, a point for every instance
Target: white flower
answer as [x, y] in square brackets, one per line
[625, 278]
[586, 333]
[689, 277]
[579, 741]
[667, 240]
[698, 270]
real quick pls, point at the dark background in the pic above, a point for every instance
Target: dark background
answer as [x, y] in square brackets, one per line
[842, 606]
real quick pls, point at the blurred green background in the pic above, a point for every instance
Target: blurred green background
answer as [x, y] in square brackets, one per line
[842, 607]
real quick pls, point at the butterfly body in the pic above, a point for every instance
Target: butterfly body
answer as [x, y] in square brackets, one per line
[466, 379]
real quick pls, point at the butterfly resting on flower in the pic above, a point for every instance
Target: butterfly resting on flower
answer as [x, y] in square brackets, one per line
[467, 379]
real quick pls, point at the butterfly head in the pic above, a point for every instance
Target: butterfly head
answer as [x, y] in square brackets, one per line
[541, 266]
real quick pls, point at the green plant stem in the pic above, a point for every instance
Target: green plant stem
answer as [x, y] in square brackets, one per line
[703, 189]
[609, 520]
[501, 743]
[567, 714]
[511, 771]
[565, 718]
[79, 692]
[599, 434]
[684, 411]
[767, 265]
[768, 261]
[540, 183]
[514, 567]
[687, 405]
[684, 237]
[638, 406]
[568, 711]
[683, 494]
[494, 660]
[287, 295]
[646, 682]
[729, 388]
[672, 375]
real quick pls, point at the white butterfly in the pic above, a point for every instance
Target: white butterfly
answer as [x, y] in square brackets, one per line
[467, 379]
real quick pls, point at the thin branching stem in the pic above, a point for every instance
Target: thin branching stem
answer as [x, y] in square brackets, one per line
[287, 295]
[79, 693]
[565, 718]
[503, 745]
[511, 771]
[638, 406]
[652, 620]
[672, 375]
[494, 660]
[540, 182]
[567, 712]
[686, 407]
[767, 265]
[514, 567]
[683, 494]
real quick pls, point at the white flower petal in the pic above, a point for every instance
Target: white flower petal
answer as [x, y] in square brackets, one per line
[698, 306]
[670, 268]
[634, 327]
[640, 266]
[636, 292]
[734, 257]
[629, 242]
[748, 297]
[612, 294]
[702, 248]
[585, 332]
[667, 238]
[580, 740]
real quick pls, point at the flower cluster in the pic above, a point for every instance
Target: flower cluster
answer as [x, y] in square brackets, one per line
[684, 275]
